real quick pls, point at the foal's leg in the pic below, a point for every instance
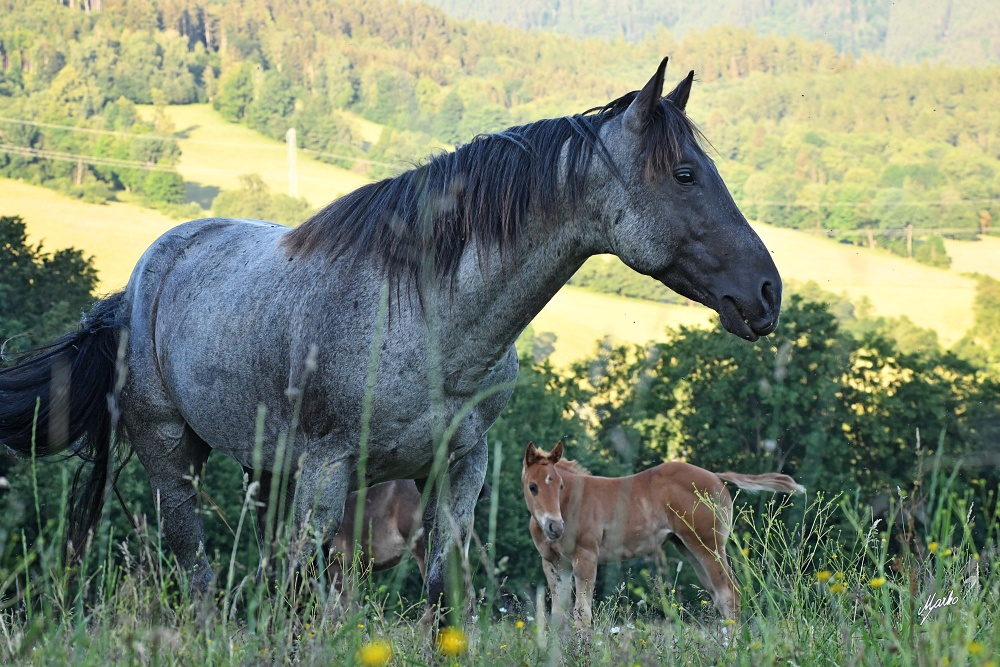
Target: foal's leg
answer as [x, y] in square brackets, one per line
[714, 573]
[585, 573]
[173, 456]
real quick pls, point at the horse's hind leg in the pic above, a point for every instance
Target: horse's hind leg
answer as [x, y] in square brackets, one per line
[173, 456]
[714, 573]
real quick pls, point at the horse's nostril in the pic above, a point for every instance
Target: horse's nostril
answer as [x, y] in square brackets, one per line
[767, 292]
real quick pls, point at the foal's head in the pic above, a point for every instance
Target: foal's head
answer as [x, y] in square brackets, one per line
[542, 484]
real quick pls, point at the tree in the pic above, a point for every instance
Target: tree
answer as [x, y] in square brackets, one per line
[255, 201]
[41, 295]
[236, 92]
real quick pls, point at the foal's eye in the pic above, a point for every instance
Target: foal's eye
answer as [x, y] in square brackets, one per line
[684, 176]
[562, 486]
[533, 488]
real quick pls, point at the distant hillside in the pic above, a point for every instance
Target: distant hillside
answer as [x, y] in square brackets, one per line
[955, 32]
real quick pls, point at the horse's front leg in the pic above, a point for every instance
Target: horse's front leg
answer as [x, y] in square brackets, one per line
[447, 521]
[319, 497]
[585, 573]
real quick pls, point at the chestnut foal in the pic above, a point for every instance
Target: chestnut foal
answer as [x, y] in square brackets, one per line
[391, 526]
[579, 520]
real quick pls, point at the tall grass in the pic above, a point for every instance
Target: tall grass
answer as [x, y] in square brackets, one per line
[876, 592]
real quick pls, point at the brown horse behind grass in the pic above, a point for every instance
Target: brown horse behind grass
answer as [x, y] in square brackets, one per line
[390, 527]
[579, 520]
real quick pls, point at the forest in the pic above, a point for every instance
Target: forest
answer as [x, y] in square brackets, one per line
[961, 32]
[806, 136]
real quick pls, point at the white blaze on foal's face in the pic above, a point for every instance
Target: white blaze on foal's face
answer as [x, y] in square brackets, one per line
[542, 484]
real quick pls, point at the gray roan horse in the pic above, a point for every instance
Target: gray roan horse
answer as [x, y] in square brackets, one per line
[427, 278]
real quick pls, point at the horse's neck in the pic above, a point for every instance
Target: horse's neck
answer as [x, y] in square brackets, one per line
[494, 301]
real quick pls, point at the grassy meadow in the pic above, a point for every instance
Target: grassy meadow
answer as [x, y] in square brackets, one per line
[810, 596]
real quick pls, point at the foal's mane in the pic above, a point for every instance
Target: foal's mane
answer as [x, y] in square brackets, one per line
[571, 466]
[418, 224]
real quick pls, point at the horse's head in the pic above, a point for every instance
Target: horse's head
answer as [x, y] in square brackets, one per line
[542, 485]
[668, 214]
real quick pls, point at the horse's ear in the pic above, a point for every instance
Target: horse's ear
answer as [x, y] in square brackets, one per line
[679, 95]
[557, 452]
[531, 454]
[637, 115]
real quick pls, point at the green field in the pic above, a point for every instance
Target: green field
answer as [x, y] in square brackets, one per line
[940, 299]
[115, 234]
[982, 256]
[216, 153]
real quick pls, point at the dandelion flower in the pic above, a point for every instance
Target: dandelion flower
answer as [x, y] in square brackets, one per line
[974, 648]
[745, 552]
[877, 582]
[933, 547]
[376, 654]
[520, 624]
[452, 642]
[823, 575]
[838, 588]
[948, 552]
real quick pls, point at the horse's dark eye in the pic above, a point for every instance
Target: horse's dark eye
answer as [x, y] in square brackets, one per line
[533, 488]
[562, 486]
[684, 176]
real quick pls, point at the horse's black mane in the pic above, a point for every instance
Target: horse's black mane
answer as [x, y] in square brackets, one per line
[424, 218]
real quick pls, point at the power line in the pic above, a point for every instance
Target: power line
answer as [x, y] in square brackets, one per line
[206, 142]
[10, 149]
[87, 130]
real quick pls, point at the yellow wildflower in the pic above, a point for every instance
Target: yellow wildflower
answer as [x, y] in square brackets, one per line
[823, 575]
[838, 588]
[520, 624]
[745, 552]
[932, 547]
[974, 648]
[376, 654]
[948, 552]
[838, 576]
[877, 582]
[452, 642]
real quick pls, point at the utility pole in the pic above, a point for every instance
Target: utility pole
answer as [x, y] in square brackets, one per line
[293, 177]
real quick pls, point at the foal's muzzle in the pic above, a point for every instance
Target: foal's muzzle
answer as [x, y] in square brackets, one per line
[553, 528]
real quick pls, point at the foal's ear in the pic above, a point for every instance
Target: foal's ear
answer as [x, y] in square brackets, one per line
[637, 115]
[531, 454]
[557, 452]
[679, 95]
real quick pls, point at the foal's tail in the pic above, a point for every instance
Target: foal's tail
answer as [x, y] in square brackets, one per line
[66, 396]
[770, 481]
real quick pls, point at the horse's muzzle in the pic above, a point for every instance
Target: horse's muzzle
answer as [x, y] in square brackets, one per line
[554, 528]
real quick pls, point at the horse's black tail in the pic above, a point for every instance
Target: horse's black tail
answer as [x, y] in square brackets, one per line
[65, 395]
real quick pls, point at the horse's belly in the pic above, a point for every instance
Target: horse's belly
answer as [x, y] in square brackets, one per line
[634, 546]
